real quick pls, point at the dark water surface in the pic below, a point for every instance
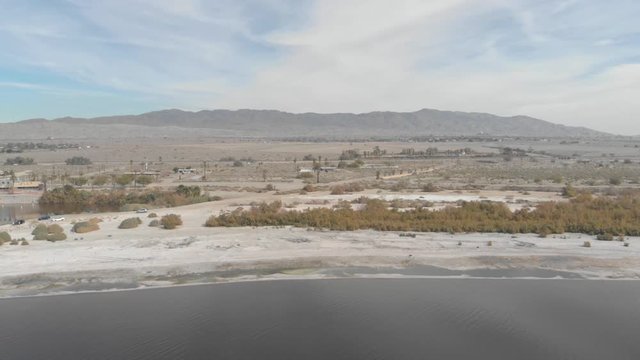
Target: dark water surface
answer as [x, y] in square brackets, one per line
[333, 319]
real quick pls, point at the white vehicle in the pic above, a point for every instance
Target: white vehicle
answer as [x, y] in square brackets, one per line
[141, 211]
[57, 218]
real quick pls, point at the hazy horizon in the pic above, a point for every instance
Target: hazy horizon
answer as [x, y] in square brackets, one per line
[569, 62]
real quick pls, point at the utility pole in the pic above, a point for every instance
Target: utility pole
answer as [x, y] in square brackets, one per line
[204, 170]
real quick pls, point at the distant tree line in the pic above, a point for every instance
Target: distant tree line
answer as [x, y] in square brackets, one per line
[24, 146]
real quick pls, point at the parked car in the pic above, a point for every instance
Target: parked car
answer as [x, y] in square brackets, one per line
[141, 211]
[18, 222]
[57, 218]
[44, 217]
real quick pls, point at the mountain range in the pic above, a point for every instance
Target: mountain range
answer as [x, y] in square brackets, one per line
[278, 124]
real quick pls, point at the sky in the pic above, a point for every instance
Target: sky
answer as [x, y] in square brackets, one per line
[574, 62]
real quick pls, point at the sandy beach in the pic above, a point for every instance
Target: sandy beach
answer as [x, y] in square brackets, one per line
[111, 258]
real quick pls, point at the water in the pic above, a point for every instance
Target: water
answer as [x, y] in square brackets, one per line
[333, 319]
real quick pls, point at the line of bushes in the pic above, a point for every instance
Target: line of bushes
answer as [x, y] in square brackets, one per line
[68, 199]
[583, 214]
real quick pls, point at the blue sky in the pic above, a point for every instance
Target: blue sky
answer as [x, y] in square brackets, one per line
[575, 62]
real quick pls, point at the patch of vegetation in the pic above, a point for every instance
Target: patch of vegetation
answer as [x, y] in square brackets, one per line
[616, 180]
[308, 188]
[430, 188]
[4, 237]
[583, 214]
[19, 160]
[144, 180]
[100, 180]
[78, 181]
[171, 221]
[55, 229]
[40, 232]
[569, 191]
[25, 146]
[604, 237]
[52, 232]
[188, 191]
[130, 223]
[68, 199]
[154, 223]
[56, 237]
[152, 215]
[86, 226]
[78, 160]
[346, 188]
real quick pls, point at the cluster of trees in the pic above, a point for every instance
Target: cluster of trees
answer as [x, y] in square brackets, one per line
[78, 160]
[376, 152]
[350, 154]
[582, 214]
[68, 199]
[433, 151]
[20, 147]
[101, 180]
[19, 160]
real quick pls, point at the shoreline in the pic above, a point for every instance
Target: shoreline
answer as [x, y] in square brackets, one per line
[151, 257]
[233, 255]
[306, 278]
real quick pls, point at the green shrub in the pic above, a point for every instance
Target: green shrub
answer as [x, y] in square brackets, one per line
[569, 191]
[24, 242]
[154, 223]
[85, 227]
[54, 229]
[429, 188]
[152, 215]
[41, 235]
[56, 237]
[130, 223]
[4, 237]
[586, 244]
[171, 221]
[40, 231]
[605, 237]
[615, 180]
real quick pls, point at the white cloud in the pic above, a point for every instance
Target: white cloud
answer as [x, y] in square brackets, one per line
[360, 56]
[571, 61]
